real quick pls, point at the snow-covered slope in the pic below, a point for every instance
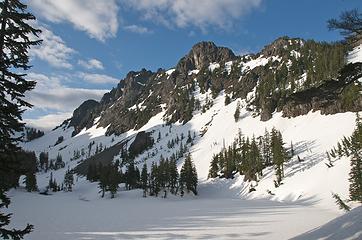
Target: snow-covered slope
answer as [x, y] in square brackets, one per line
[348, 226]
[224, 209]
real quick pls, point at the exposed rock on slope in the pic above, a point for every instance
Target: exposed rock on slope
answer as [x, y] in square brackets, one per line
[333, 96]
[273, 79]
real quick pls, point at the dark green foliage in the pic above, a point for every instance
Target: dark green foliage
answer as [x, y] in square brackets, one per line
[250, 156]
[132, 176]
[227, 100]
[44, 161]
[53, 186]
[313, 64]
[188, 176]
[173, 176]
[341, 204]
[279, 155]
[214, 167]
[16, 38]
[144, 179]
[350, 95]
[352, 147]
[29, 163]
[68, 181]
[32, 133]
[109, 178]
[58, 162]
[237, 112]
[30, 182]
[350, 25]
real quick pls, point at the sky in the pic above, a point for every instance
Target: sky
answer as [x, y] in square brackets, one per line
[90, 45]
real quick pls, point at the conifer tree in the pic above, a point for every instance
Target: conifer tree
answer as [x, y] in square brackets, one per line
[173, 176]
[278, 154]
[227, 100]
[103, 175]
[113, 180]
[68, 181]
[30, 182]
[16, 38]
[237, 112]
[355, 142]
[214, 167]
[144, 179]
[350, 25]
[154, 180]
[188, 175]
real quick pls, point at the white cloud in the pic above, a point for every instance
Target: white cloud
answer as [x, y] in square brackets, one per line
[97, 78]
[91, 64]
[53, 50]
[48, 122]
[98, 18]
[51, 94]
[201, 13]
[137, 29]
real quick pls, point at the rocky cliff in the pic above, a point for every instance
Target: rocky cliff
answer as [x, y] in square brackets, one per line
[289, 75]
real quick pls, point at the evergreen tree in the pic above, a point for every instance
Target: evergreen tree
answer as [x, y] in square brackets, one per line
[16, 38]
[188, 176]
[43, 161]
[237, 111]
[352, 147]
[278, 154]
[355, 143]
[68, 181]
[144, 179]
[350, 25]
[132, 176]
[113, 180]
[214, 167]
[189, 138]
[227, 100]
[30, 182]
[173, 176]
[28, 162]
[103, 179]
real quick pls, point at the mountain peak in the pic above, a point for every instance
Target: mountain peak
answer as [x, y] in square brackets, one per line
[202, 54]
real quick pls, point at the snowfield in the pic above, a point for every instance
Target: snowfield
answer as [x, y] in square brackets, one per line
[223, 209]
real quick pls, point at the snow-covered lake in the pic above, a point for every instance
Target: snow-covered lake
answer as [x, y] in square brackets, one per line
[66, 216]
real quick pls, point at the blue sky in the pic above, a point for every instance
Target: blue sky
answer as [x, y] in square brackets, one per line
[89, 45]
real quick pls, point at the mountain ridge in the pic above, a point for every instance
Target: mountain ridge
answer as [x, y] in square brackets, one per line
[279, 65]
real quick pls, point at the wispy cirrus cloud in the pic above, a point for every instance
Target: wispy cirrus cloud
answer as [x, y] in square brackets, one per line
[49, 121]
[53, 50]
[201, 14]
[50, 93]
[91, 64]
[97, 78]
[99, 19]
[137, 29]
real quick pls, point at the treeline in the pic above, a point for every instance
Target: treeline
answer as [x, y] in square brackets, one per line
[66, 185]
[249, 156]
[32, 133]
[161, 178]
[46, 164]
[352, 147]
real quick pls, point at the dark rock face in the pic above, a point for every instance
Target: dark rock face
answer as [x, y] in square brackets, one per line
[142, 142]
[84, 115]
[329, 97]
[202, 54]
[143, 94]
